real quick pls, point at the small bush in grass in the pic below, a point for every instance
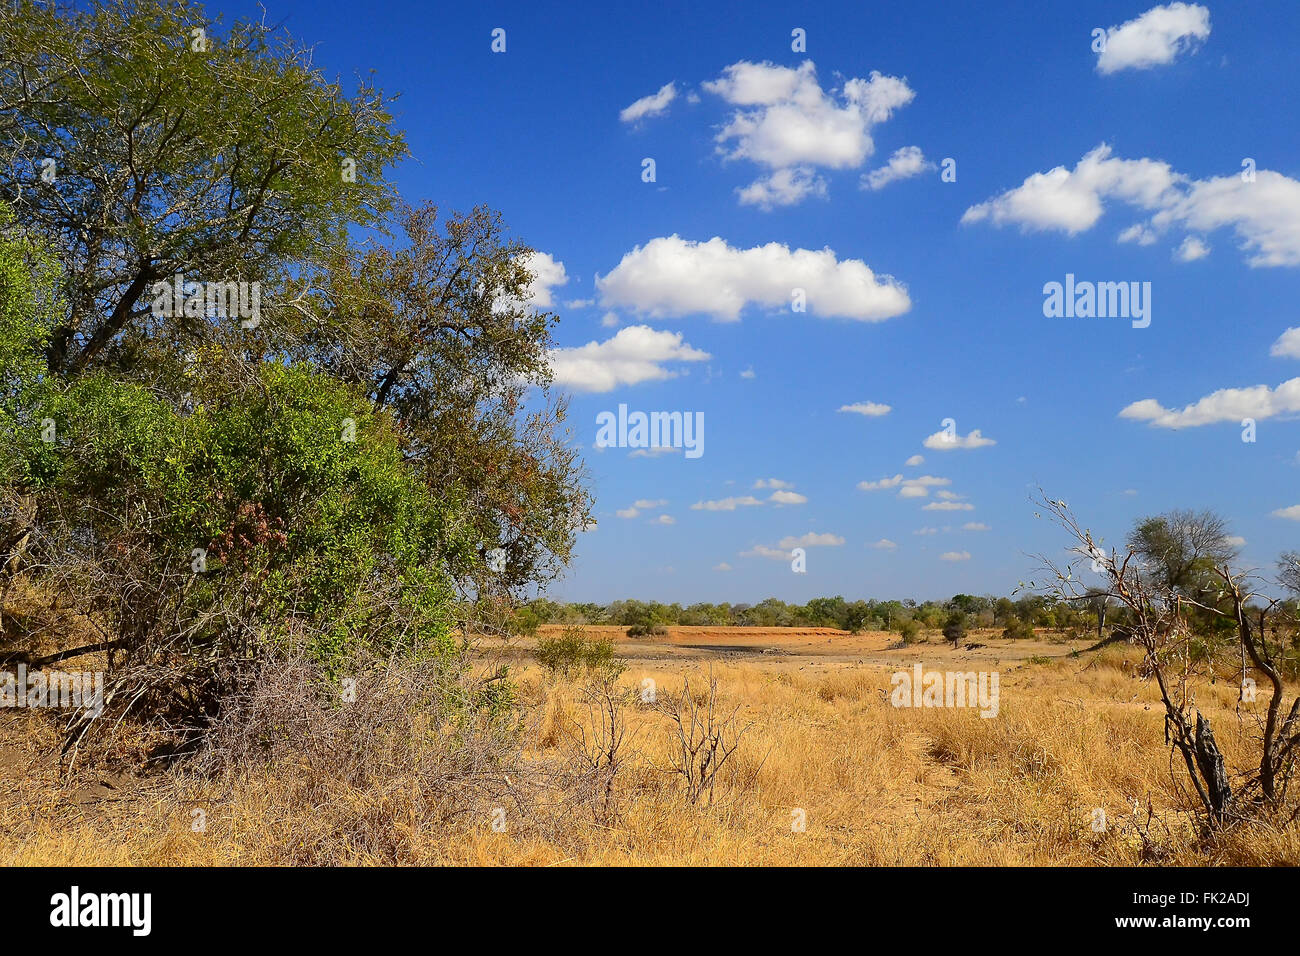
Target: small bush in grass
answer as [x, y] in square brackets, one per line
[909, 631]
[574, 651]
[647, 630]
[1018, 629]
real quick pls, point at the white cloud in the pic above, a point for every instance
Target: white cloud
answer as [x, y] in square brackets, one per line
[1225, 405]
[1191, 250]
[726, 504]
[926, 531]
[579, 303]
[653, 105]
[870, 409]
[904, 164]
[975, 526]
[724, 566]
[914, 461]
[654, 452]
[785, 187]
[1287, 345]
[1138, 233]
[1264, 212]
[787, 119]
[665, 519]
[1293, 512]
[749, 373]
[1071, 200]
[949, 495]
[948, 506]
[1155, 38]
[641, 504]
[547, 275]
[787, 498]
[942, 441]
[1234, 540]
[811, 540]
[763, 551]
[918, 487]
[671, 276]
[635, 354]
[955, 556]
[884, 544]
[772, 483]
[609, 320]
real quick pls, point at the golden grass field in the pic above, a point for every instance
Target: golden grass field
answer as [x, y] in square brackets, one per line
[876, 785]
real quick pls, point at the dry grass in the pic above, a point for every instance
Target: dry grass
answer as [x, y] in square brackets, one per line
[877, 785]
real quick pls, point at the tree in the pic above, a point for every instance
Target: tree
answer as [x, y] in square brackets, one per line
[1160, 623]
[440, 331]
[954, 628]
[1180, 549]
[1288, 572]
[146, 142]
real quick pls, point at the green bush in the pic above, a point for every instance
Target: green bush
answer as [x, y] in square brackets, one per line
[574, 651]
[645, 629]
[1018, 629]
[908, 629]
[281, 511]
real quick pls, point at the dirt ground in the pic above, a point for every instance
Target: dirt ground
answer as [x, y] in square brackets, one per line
[801, 647]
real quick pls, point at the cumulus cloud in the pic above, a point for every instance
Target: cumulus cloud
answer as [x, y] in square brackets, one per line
[773, 483]
[726, 504]
[1225, 405]
[904, 164]
[787, 122]
[975, 526]
[909, 488]
[640, 505]
[671, 276]
[548, 274]
[870, 409]
[1293, 512]
[926, 531]
[1191, 250]
[763, 551]
[944, 441]
[653, 105]
[811, 540]
[787, 498]
[918, 487]
[724, 566]
[1287, 345]
[665, 519]
[914, 461]
[749, 373]
[785, 187]
[1155, 38]
[884, 544]
[635, 354]
[1262, 210]
[948, 506]
[955, 556]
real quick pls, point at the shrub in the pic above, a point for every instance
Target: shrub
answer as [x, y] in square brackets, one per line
[1018, 629]
[272, 513]
[909, 630]
[645, 629]
[954, 628]
[574, 651]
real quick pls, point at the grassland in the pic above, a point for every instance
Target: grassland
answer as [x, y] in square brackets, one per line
[873, 784]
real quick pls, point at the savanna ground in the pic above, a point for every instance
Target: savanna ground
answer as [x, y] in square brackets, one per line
[877, 785]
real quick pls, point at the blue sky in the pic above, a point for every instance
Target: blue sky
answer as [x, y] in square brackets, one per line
[1147, 141]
